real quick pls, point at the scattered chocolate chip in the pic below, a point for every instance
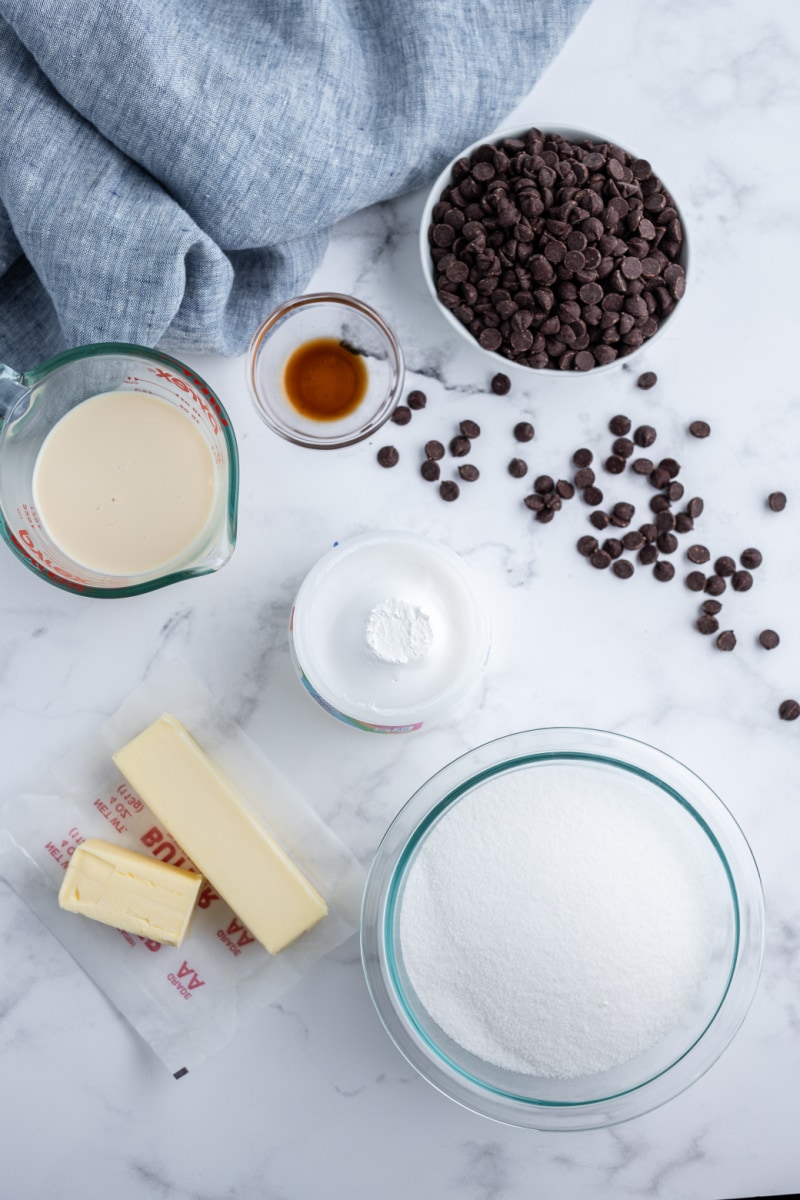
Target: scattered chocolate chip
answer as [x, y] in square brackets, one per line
[777, 501]
[545, 515]
[565, 489]
[434, 450]
[416, 399]
[599, 519]
[707, 624]
[684, 523]
[667, 543]
[769, 639]
[725, 565]
[789, 710]
[642, 466]
[741, 581]
[751, 558]
[670, 466]
[623, 447]
[647, 555]
[726, 640]
[665, 520]
[695, 581]
[582, 457]
[623, 569]
[523, 431]
[388, 456]
[449, 489]
[619, 425]
[700, 429]
[649, 531]
[534, 502]
[600, 559]
[429, 470]
[695, 507]
[470, 429]
[518, 467]
[644, 436]
[659, 477]
[711, 607]
[584, 477]
[634, 540]
[469, 473]
[715, 585]
[648, 380]
[543, 484]
[675, 492]
[401, 415]
[587, 545]
[614, 464]
[613, 547]
[593, 496]
[698, 554]
[460, 447]
[622, 513]
[501, 384]
[659, 504]
[663, 571]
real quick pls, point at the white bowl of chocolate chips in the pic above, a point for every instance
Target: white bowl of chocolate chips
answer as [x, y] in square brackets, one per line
[559, 251]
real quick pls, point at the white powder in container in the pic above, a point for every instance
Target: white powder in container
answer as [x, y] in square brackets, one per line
[557, 921]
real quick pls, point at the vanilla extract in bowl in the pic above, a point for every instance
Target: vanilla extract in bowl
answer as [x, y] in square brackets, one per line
[325, 379]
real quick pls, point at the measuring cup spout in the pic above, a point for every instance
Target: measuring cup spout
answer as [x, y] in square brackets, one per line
[10, 383]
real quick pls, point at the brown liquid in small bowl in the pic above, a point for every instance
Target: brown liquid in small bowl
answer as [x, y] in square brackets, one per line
[324, 379]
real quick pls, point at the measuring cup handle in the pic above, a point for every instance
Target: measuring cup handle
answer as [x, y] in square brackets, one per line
[10, 383]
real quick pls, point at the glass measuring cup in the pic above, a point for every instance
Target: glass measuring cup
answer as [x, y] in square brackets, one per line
[31, 403]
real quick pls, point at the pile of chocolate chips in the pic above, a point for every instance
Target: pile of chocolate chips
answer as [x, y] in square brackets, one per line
[557, 254]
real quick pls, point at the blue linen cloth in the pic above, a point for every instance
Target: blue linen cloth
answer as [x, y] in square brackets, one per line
[170, 169]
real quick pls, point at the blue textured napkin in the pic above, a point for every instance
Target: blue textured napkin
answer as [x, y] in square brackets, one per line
[170, 169]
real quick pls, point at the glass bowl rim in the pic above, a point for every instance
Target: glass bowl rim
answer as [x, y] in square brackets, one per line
[423, 809]
[334, 300]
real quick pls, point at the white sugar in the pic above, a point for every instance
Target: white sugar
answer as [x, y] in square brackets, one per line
[557, 920]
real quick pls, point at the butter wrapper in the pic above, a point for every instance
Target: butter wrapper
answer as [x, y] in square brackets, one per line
[186, 1001]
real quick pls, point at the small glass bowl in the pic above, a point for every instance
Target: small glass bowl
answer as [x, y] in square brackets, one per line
[324, 315]
[685, 1053]
[502, 363]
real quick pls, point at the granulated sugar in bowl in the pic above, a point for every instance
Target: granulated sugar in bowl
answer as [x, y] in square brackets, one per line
[563, 929]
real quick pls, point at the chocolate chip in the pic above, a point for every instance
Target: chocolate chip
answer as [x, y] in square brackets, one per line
[545, 515]
[429, 470]
[648, 531]
[715, 585]
[501, 384]
[667, 543]
[565, 489]
[670, 466]
[535, 502]
[615, 465]
[518, 467]
[388, 456]
[584, 477]
[634, 540]
[751, 558]
[695, 507]
[700, 429]
[777, 501]
[587, 545]
[416, 399]
[683, 523]
[706, 624]
[711, 607]
[725, 565]
[659, 504]
[613, 547]
[593, 496]
[644, 436]
[470, 429]
[622, 513]
[741, 581]
[523, 431]
[599, 519]
[648, 380]
[675, 492]
[769, 639]
[623, 447]
[695, 581]
[434, 450]
[401, 415]
[619, 425]
[623, 569]
[582, 457]
[698, 554]
[726, 640]
[663, 571]
[543, 484]
[449, 489]
[665, 520]
[648, 555]
[789, 710]
[600, 559]
[642, 466]
[659, 477]
[469, 473]
[460, 447]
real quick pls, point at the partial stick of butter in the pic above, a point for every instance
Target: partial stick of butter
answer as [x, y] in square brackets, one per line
[130, 891]
[213, 825]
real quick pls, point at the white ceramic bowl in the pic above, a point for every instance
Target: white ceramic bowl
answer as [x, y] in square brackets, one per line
[503, 363]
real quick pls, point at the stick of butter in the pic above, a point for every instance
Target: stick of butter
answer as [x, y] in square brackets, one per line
[130, 891]
[213, 825]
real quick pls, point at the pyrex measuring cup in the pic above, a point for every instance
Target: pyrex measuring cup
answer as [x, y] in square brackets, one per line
[32, 402]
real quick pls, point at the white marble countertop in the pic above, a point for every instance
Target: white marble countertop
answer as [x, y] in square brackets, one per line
[314, 1100]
